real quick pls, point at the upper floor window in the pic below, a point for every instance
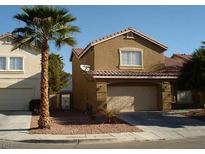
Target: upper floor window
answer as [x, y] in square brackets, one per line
[16, 63]
[131, 57]
[2, 63]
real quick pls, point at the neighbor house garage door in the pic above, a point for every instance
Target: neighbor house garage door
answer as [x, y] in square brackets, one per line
[132, 98]
[15, 99]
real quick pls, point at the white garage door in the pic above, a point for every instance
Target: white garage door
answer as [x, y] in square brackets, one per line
[15, 99]
[132, 98]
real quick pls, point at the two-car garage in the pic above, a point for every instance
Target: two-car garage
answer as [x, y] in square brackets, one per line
[15, 98]
[132, 98]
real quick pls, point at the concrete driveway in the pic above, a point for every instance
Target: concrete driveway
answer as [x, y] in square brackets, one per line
[14, 122]
[159, 125]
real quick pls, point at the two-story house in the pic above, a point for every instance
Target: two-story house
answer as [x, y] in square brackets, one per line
[19, 75]
[127, 73]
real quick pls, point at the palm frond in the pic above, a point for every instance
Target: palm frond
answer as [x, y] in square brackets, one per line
[22, 41]
[64, 30]
[65, 41]
[45, 23]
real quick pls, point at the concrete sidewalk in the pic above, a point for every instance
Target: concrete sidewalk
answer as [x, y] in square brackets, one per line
[155, 127]
[95, 138]
[85, 138]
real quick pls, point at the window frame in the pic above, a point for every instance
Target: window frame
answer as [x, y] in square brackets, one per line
[5, 64]
[131, 49]
[8, 70]
[13, 70]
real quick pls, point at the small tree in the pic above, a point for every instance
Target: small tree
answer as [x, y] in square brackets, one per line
[58, 78]
[192, 75]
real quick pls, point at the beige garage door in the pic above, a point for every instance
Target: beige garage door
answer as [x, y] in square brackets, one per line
[132, 98]
[15, 99]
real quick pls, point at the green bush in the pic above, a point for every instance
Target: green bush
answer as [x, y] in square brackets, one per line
[34, 106]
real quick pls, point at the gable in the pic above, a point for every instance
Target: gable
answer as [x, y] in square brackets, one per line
[108, 54]
[123, 32]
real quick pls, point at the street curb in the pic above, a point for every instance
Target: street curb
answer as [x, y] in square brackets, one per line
[78, 141]
[74, 141]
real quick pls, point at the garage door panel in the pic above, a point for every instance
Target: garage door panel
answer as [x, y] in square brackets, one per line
[15, 99]
[122, 103]
[132, 98]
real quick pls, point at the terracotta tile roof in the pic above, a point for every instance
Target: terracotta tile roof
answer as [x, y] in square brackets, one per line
[130, 29]
[132, 74]
[169, 62]
[113, 35]
[76, 51]
[171, 66]
[8, 34]
[183, 56]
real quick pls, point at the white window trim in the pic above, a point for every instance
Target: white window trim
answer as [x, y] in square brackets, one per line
[6, 64]
[134, 50]
[15, 57]
[7, 70]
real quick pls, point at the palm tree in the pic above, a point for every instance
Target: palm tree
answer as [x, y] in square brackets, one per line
[42, 25]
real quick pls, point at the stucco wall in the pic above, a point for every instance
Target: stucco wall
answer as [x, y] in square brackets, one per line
[29, 77]
[107, 53]
[105, 56]
[84, 87]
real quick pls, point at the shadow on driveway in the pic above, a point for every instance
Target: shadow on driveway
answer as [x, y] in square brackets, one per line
[11, 113]
[160, 119]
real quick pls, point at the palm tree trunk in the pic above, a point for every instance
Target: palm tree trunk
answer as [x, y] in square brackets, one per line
[44, 121]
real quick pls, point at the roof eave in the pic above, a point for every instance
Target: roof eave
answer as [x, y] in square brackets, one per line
[127, 31]
[135, 77]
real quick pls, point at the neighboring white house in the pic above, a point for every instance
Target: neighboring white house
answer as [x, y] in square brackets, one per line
[19, 75]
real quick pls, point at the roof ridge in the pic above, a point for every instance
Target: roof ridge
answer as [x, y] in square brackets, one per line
[118, 33]
[110, 35]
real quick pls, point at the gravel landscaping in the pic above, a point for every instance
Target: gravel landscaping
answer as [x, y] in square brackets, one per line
[71, 123]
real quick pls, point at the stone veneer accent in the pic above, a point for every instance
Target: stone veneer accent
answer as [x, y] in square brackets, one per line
[166, 96]
[101, 92]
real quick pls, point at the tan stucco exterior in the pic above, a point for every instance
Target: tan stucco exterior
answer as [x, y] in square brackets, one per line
[106, 56]
[28, 78]
[84, 87]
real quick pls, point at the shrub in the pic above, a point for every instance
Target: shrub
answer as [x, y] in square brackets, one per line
[110, 114]
[34, 106]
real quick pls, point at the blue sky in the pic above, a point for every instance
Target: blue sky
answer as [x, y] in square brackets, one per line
[181, 28]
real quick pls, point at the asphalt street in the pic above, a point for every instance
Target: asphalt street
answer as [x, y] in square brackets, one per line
[188, 143]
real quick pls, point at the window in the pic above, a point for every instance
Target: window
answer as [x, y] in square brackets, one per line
[16, 63]
[131, 58]
[2, 63]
